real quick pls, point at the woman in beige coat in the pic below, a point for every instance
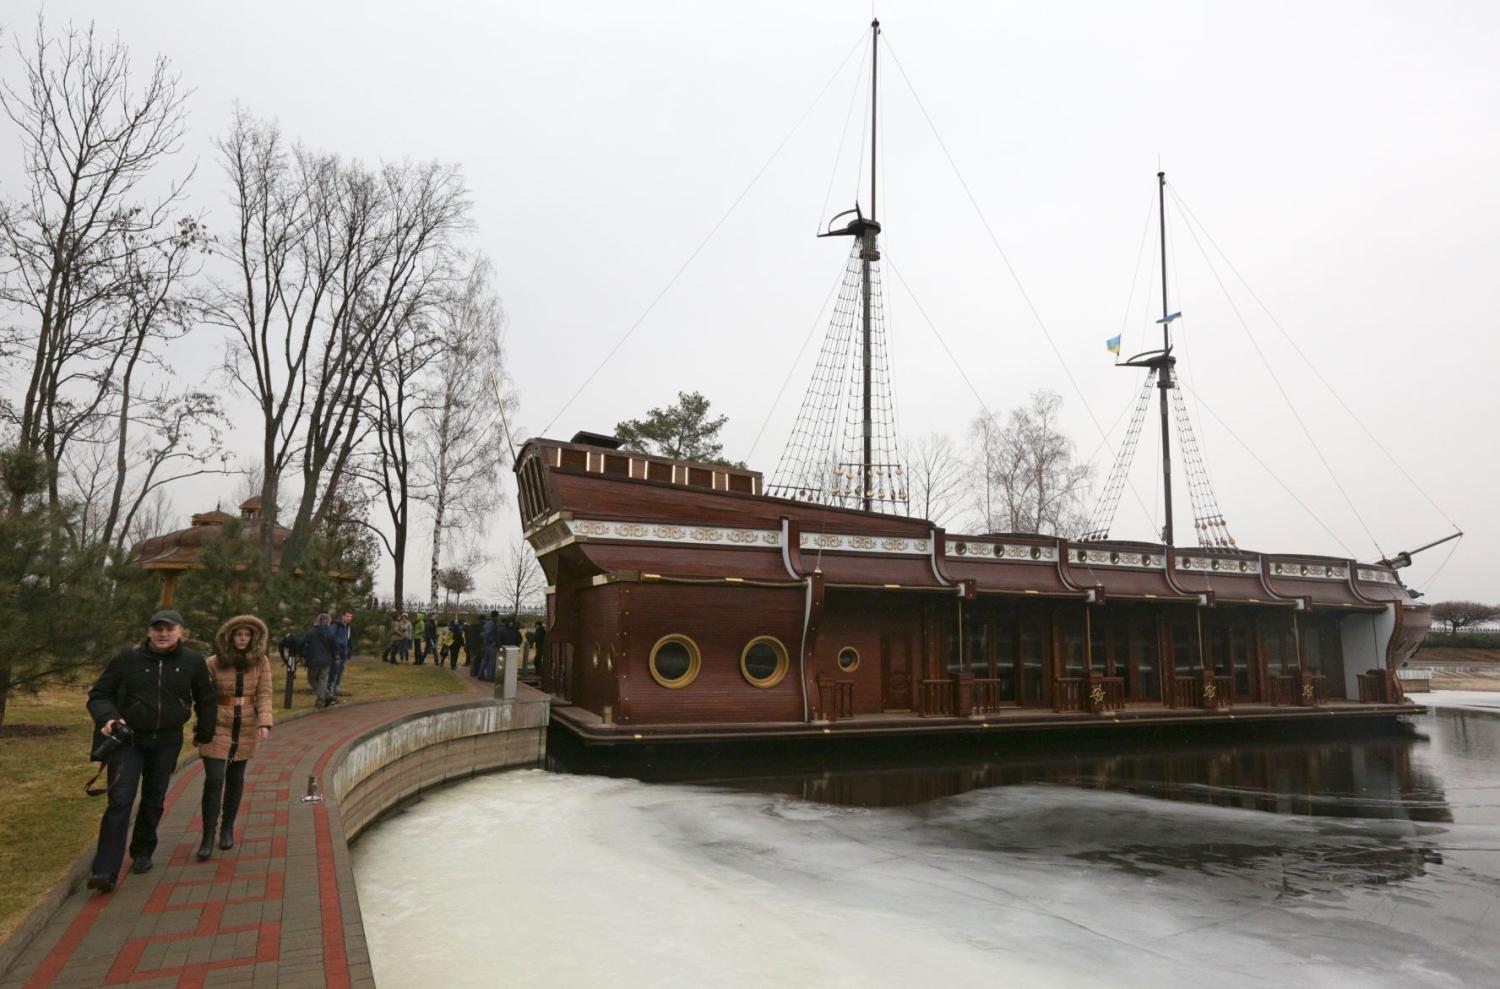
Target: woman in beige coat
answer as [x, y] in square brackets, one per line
[242, 669]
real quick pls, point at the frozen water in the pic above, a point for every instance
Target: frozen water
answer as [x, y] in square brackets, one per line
[534, 878]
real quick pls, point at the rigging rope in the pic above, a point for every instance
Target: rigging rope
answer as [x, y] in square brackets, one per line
[1109, 501]
[1283, 392]
[843, 137]
[995, 242]
[1274, 476]
[1308, 361]
[704, 242]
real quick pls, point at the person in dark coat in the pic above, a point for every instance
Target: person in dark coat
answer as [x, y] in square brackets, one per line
[472, 647]
[318, 651]
[150, 689]
[343, 642]
[455, 642]
[490, 640]
[537, 637]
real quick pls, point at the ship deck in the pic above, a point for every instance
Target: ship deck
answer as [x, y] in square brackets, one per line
[591, 729]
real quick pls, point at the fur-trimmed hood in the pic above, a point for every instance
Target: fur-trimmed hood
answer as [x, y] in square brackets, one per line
[259, 641]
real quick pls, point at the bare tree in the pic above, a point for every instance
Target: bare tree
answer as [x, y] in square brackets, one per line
[455, 582]
[91, 137]
[398, 402]
[1462, 614]
[329, 257]
[154, 516]
[1029, 479]
[462, 451]
[937, 478]
[522, 580]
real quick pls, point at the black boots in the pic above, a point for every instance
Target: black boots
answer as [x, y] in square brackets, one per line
[213, 796]
[234, 788]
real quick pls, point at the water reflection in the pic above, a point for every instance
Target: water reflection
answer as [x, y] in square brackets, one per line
[1323, 775]
[1382, 776]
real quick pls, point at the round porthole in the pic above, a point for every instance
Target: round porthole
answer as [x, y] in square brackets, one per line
[1083, 556]
[675, 661]
[1215, 564]
[962, 548]
[1036, 552]
[609, 659]
[1244, 566]
[848, 659]
[764, 661]
[596, 655]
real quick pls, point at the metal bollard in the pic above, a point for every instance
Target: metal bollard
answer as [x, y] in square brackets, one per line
[313, 796]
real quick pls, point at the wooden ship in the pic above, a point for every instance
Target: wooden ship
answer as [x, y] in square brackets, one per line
[692, 601]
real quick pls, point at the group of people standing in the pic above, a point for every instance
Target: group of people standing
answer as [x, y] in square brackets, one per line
[478, 642]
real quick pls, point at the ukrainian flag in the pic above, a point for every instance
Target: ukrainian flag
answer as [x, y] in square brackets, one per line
[1113, 345]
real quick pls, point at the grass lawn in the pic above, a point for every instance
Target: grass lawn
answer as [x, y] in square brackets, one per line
[46, 820]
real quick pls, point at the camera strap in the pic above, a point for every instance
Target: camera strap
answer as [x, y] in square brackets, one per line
[90, 788]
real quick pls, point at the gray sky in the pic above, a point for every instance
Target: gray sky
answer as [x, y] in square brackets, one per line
[1345, 157]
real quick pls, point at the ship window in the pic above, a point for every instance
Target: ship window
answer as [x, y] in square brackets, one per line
[675, 661]
[609, 659]
[596, 655]
[764, 661]
[848, 659]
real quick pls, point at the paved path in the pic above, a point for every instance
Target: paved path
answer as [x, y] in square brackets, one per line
[279, 909]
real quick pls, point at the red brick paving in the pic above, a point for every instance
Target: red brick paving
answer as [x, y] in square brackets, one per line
[280, 908]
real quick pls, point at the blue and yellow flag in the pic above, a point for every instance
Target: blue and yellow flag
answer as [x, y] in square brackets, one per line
[1113, 344]
[1168, 319]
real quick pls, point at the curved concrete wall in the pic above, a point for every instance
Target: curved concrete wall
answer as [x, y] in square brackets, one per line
[401, 759]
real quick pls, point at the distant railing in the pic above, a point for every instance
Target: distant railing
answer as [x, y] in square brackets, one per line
[835, 697]
[1068, 694]
[987, 696]
[935, 698]
[1314, 689]
[1187, 691]
[1285, 689]
[1107, 694]
[1372, 688]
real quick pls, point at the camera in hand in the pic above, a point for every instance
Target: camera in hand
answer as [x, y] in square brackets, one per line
[113, 742]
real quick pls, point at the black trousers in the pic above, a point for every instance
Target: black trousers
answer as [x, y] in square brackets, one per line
[149, 766]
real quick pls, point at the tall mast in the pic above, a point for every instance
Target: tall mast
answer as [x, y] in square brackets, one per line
[1164, 376]
[868, 254]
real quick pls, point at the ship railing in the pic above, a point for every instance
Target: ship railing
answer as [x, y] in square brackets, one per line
[1286, 689]
[1222, 694]
[1107, 694]
[986, 694]
[935, 698]
[1313, 690]
[1373, 688]
[835, 697]
[1069, 694]
[1187, 691]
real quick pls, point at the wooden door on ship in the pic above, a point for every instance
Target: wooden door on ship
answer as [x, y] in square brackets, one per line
[895, 670]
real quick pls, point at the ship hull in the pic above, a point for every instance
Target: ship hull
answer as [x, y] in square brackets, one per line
[685, 606]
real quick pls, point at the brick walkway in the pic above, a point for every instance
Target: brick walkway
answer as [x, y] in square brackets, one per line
[279, 909]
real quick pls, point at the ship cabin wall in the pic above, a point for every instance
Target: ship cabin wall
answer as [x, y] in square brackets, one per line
[1365, 638]
[716, 625]
[873, 651]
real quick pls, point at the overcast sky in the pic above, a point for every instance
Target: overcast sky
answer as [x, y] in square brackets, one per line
[1344, 156]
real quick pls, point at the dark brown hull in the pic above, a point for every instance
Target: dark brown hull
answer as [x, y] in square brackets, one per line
[685, 604]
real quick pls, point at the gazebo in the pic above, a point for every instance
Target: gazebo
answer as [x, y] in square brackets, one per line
[175, 552]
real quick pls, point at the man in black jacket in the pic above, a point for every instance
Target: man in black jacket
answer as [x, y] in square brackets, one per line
[318, 651]
[151, 689]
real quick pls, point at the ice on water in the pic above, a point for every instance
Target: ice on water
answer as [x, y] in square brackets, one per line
[541, 879]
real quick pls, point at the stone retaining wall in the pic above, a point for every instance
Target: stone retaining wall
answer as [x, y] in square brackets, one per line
[399, 760]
